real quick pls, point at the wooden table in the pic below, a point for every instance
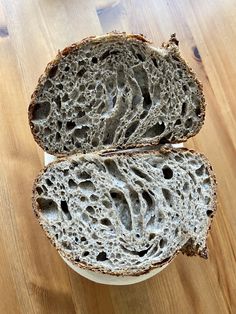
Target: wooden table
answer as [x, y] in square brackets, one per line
[33, 278]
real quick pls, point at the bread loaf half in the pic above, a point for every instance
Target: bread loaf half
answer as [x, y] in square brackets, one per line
[127, 213]
[115, 91]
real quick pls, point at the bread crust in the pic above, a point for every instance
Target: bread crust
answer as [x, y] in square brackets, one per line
[188, 251]
[171, 45]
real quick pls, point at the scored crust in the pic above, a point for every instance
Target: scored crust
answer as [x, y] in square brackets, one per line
[171, 45]
[187, 249]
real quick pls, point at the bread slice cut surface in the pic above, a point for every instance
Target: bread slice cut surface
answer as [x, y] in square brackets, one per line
[115, 91]
[127, 213]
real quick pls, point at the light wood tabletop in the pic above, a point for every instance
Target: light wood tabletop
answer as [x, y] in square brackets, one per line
[33, 278]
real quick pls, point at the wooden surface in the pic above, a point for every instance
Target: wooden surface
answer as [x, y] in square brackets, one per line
[33, 278]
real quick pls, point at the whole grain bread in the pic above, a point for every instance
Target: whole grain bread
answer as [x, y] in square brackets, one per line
[115, 91]
[127, 213]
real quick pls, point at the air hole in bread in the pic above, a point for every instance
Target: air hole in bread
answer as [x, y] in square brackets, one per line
[184, 109]
[167, 195]
[106, 203]
[85, 217]
[64, 208]
[90, 210]
[141, 77]
[83, 239]
[105, 222]
[135, 201]
[95, 141]
[84, 175]
[186, 187]
[52, 72]
[209, 213]
[177, 231]
[105, 55]
[59, 125]
[78, 145]
[120, 77]
[151, 236]
[155, 130]
[143, 252]
[185, 88]
[140, 174]
[70, 125]
[151, 222]
[199, 172]
[138, 253]
[113, 170]
[94, 198]
[65, 97]
[101, 107]
[167, 172]
[72, 184]
[66, 245]
[131, 128]
[48, 208]
[155, 62]
[188, 123]
[140, 57]
[41, 111]
[144, 114]
[87, 186]
[178, 122]
[47, 85]
[163, 243]
[198, 111]
[207, 200]
[81, 72]
[81, 133]
[136, 100]
[180, 73]
[102, 256]
[94, 60]
[122, 208]
[192, 177]
[206, 183]
[85, 253]
[178, 158]
[59, 86]
[39, 190]
[58, 102]
[65, 172]
[48, 182]
[58, 137]
[146, 196]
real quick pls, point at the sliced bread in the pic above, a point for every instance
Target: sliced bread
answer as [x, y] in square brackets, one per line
[127, 213]
[115, 91]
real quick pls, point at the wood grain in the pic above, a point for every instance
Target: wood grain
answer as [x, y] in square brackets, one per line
[33, 278]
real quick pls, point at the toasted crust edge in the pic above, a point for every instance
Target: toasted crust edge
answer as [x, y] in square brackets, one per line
[171, 45]
[164, 150]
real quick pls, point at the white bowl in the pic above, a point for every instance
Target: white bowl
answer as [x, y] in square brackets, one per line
[104, 278]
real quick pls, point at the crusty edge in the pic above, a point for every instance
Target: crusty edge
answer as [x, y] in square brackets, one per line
[171, 45]
[164, 150]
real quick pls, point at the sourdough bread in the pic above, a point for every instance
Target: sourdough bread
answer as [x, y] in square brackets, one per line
[115, 91]
[126, 213]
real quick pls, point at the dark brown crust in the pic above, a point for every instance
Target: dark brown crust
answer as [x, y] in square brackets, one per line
[188, 250]
[171, 45]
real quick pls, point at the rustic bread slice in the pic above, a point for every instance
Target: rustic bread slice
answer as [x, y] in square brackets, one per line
[126, 213]
[115, 91]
